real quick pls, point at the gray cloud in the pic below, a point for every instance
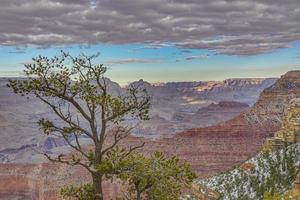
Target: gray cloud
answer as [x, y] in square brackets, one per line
[193, 57]
[186, 51]
[297, 55]
[197, 57]
[132, 60]
[17, 52]
[232, 27]
[156, 45]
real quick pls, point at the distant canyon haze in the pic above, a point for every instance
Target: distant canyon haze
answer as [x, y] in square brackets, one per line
[175, 107]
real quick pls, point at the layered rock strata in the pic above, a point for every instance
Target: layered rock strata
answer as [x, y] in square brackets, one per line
[210, 150]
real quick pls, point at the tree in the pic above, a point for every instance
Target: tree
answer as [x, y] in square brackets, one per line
[82, 192]
[275, 196]
[156, 177]
[79, 95]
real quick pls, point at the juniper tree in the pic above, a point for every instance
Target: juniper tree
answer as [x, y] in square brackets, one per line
[153, 177]
[78, 94]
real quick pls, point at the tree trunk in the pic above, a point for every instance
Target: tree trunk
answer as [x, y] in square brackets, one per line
[97, 183]
[138, 195]
[138, 192]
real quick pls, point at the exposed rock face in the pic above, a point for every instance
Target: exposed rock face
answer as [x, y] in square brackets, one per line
[43, 181]
[51, 142]
[24, 180]
[213, 114]
[18, 115]
[214, 149]
[220, 147]
[288, 134]
[210, 150]
[202, 192]
[242, 90]
[9, 154]
[290, 130]
[273, 103]
[179, 103]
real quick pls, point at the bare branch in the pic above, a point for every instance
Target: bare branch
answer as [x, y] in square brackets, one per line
[119, 134]
[59, 159]
[77, 147]
[64, 118]
[132, 149]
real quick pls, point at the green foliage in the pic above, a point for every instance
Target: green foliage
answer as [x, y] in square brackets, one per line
[114, 162]
[276, 174]
[270, 196]
[275, 196]
[156, 177]
[273, 175]
[82, 192]
[46, 125]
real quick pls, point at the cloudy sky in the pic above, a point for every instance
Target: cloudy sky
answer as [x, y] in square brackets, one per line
[157, 40]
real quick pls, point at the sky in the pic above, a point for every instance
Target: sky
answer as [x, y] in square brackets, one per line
[157, 40]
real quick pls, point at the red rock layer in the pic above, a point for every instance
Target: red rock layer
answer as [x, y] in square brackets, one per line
[43, 181]
[210, 150]
[218, 148]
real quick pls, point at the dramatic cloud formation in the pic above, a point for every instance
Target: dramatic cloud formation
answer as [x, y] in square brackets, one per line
[224, 26]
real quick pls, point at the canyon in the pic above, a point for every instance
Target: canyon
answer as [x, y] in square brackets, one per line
[240, 179]
[210, 150]
[176, 107]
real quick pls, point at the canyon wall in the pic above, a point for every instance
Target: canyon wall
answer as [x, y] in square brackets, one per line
[210, 150]
[43, 181]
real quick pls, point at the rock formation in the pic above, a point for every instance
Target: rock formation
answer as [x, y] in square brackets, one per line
[215, 113]
[242, 90]
[201, 192]
[287, 135]
[43, 181]
[290, 129]
[18, 115]
[218, 148]
[210, 150]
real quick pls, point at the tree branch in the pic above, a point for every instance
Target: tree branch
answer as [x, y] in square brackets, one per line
[64, 118]
[120, 133]
[68, 162]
